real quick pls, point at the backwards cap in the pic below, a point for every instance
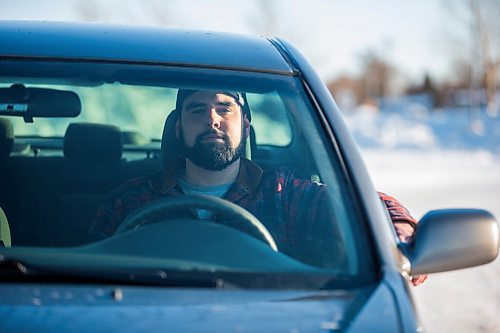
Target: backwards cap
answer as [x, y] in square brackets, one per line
[240, 98]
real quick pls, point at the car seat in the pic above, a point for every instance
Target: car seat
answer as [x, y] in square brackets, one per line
[171, 149]
[6, 137]
[6, 144]
[5, 240]
[93, 167]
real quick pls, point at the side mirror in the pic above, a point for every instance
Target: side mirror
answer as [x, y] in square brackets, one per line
[451, 239]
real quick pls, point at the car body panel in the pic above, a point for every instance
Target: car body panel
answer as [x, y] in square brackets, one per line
[147, 45]
[109, 308]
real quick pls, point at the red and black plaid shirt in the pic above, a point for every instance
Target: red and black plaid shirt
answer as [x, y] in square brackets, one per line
[291, 209]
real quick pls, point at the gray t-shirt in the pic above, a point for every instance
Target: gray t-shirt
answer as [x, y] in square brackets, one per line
[216, 191]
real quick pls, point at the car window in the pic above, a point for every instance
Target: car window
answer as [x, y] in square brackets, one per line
[133, 108]
[303, 199]
[270, 119]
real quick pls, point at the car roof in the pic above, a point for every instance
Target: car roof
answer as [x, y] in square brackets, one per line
[100, 42]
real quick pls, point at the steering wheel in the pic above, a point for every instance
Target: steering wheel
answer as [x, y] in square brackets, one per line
[239, 218]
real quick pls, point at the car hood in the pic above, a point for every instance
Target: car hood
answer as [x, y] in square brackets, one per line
[64, 308]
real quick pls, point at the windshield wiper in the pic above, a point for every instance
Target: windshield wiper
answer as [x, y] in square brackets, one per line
[9, 268]
[14, 270]
[168, 278]
[18, 271]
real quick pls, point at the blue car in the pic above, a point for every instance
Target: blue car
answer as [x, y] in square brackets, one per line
[111, 139]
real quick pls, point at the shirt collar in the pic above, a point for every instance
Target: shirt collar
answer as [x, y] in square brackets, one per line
[248, 179]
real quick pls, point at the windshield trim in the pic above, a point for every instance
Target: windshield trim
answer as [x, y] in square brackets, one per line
[147, 63]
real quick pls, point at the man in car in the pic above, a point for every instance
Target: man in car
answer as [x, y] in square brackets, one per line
[212, 127]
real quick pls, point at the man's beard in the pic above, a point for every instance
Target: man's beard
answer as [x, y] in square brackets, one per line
[214, 156]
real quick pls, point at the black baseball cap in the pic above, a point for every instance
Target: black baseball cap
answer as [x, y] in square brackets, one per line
[240, 98]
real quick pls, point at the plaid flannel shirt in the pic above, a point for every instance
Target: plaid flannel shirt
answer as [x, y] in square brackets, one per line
[287, 206]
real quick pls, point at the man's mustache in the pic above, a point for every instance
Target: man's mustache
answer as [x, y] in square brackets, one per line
[212, 132]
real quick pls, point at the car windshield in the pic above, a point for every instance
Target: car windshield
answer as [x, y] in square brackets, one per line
[299, 224]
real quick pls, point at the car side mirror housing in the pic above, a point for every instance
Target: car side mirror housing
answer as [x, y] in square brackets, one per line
[451, 239]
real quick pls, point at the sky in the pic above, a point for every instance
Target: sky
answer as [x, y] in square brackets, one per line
[333, 34]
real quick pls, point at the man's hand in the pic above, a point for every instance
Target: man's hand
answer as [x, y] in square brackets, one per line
[418, 279]
[405, 233]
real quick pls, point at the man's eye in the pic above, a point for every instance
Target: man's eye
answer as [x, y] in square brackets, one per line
[223, 110]
[197, 111]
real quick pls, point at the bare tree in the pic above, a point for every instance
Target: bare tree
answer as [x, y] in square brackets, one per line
[376, 75]
[158, 11]
[89, 10]
[266, 21]
[485, 16]
[482, 61]
[154, 12]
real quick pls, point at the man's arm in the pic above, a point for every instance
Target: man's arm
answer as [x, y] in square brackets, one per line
[404, 224]
[120, 202]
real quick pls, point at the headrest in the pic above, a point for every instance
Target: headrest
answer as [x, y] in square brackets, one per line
[171, 148]
[93, 143]
[6, 137]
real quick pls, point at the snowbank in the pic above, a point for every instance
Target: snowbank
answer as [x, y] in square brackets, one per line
[418, 128]
[432, 160]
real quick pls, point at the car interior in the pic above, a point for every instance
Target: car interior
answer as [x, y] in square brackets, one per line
[55, 197]
[54, 186]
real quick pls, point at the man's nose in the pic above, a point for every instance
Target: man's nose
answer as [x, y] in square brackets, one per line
[213, 118]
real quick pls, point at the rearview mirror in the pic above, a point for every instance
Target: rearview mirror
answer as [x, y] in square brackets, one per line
[18, 100]
[452, 239]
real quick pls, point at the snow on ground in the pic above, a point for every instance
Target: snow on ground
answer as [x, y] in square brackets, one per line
[460, 301]
[445, 159]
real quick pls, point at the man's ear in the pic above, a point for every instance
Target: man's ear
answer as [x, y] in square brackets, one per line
[246, 126]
